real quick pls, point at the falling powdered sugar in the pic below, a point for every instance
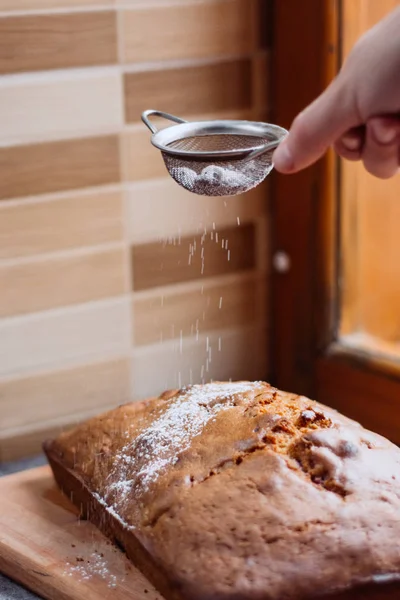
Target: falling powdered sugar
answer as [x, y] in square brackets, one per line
[142, 460]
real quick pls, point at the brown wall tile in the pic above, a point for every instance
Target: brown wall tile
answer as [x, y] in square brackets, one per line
[140, 159]
[226, 37]
[190, 90]
[158, 264]
[36, 43]
[58, 166]
[42, 398]
[189, 30]
[41, 285]
[218, 307]
[75, 221]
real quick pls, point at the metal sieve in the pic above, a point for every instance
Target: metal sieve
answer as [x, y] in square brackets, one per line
[216, 158]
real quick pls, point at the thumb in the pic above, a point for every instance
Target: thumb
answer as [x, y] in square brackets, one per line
[315, 129]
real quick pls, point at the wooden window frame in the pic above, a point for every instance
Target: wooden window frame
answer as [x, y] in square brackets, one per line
[306, 355]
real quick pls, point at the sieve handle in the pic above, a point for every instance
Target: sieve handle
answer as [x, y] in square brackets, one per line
[157, 113]
[260, 151]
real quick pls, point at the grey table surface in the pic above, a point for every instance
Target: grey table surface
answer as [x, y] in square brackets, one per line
[8, 589]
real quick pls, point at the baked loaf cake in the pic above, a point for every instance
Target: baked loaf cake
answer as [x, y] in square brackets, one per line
[237, 491]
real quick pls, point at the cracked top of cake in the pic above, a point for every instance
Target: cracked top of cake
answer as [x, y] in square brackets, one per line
[242, 491]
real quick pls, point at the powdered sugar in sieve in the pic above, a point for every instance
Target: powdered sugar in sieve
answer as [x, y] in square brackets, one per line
[216, 158]
[211, 177]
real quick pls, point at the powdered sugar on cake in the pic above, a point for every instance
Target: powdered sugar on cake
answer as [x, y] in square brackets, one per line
[112, 511]
[142, 460]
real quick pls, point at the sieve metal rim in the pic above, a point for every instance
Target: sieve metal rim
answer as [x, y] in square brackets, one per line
[184, 129]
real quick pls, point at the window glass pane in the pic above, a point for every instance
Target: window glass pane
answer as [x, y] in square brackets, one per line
[370, 242]
[371, 261]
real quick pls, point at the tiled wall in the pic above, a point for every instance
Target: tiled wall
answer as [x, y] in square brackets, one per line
[114, 282]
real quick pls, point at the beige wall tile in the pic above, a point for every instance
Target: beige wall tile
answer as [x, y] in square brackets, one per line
[189, 30]
[160, 209]
[71, 221]
[41, 42]
[67, 318]
[16, 5]
[190, 313]
[68, 104]
[243, 355]
[219, 86]
[194, 257]
[42, 398]
[54, 339]
[57, 166]
[42, 284]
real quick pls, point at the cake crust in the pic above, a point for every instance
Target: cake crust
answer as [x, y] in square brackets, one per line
[234, 491]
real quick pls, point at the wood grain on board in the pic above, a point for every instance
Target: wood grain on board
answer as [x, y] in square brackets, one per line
[45, 547]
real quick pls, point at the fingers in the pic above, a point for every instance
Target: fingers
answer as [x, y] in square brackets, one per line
[377, 144]
[351, 144]
[315, 129]
[382, 146]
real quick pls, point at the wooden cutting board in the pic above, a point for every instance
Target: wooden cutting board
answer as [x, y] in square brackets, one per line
[46, 548]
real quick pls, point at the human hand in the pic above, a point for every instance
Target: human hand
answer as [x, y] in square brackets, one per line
[359, 113]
